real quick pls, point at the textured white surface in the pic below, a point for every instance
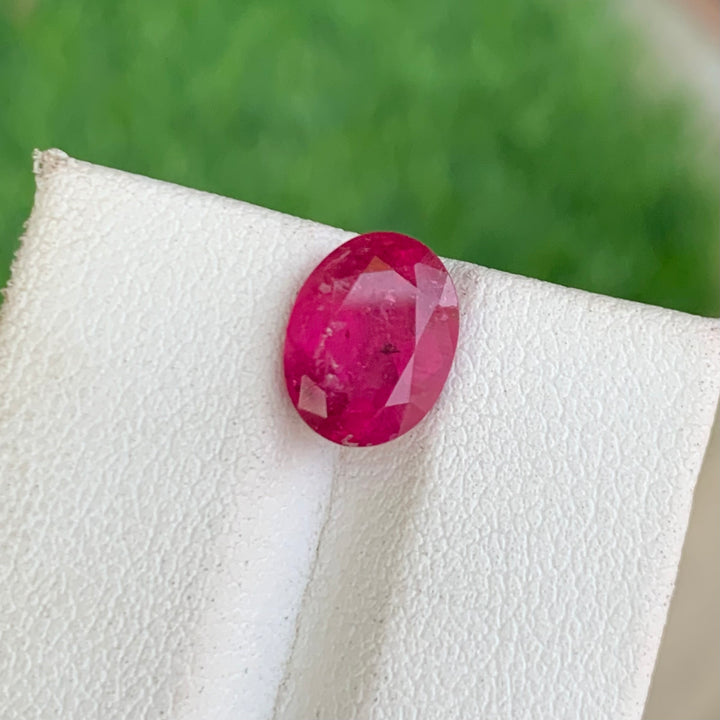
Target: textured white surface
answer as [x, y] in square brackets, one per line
[162, 508]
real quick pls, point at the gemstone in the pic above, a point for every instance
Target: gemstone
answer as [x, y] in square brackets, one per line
[371, 339]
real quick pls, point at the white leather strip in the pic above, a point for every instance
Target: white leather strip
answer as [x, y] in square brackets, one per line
[160, 504]
[515, 557]
[175, 543]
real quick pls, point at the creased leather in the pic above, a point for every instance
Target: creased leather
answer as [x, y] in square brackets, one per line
[175, 543]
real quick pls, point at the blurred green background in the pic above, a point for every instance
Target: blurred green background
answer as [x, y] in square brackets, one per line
[516, 135]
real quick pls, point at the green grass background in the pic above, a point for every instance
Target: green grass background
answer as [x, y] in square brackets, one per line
[513, 134]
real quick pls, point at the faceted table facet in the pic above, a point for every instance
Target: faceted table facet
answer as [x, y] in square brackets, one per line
[371, 339]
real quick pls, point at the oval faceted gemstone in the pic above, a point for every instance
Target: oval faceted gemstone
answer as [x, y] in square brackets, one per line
[371, 339]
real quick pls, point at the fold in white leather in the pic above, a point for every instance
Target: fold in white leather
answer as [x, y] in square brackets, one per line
[176, 543]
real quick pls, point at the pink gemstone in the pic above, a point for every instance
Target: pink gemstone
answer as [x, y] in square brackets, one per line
[371, 339]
